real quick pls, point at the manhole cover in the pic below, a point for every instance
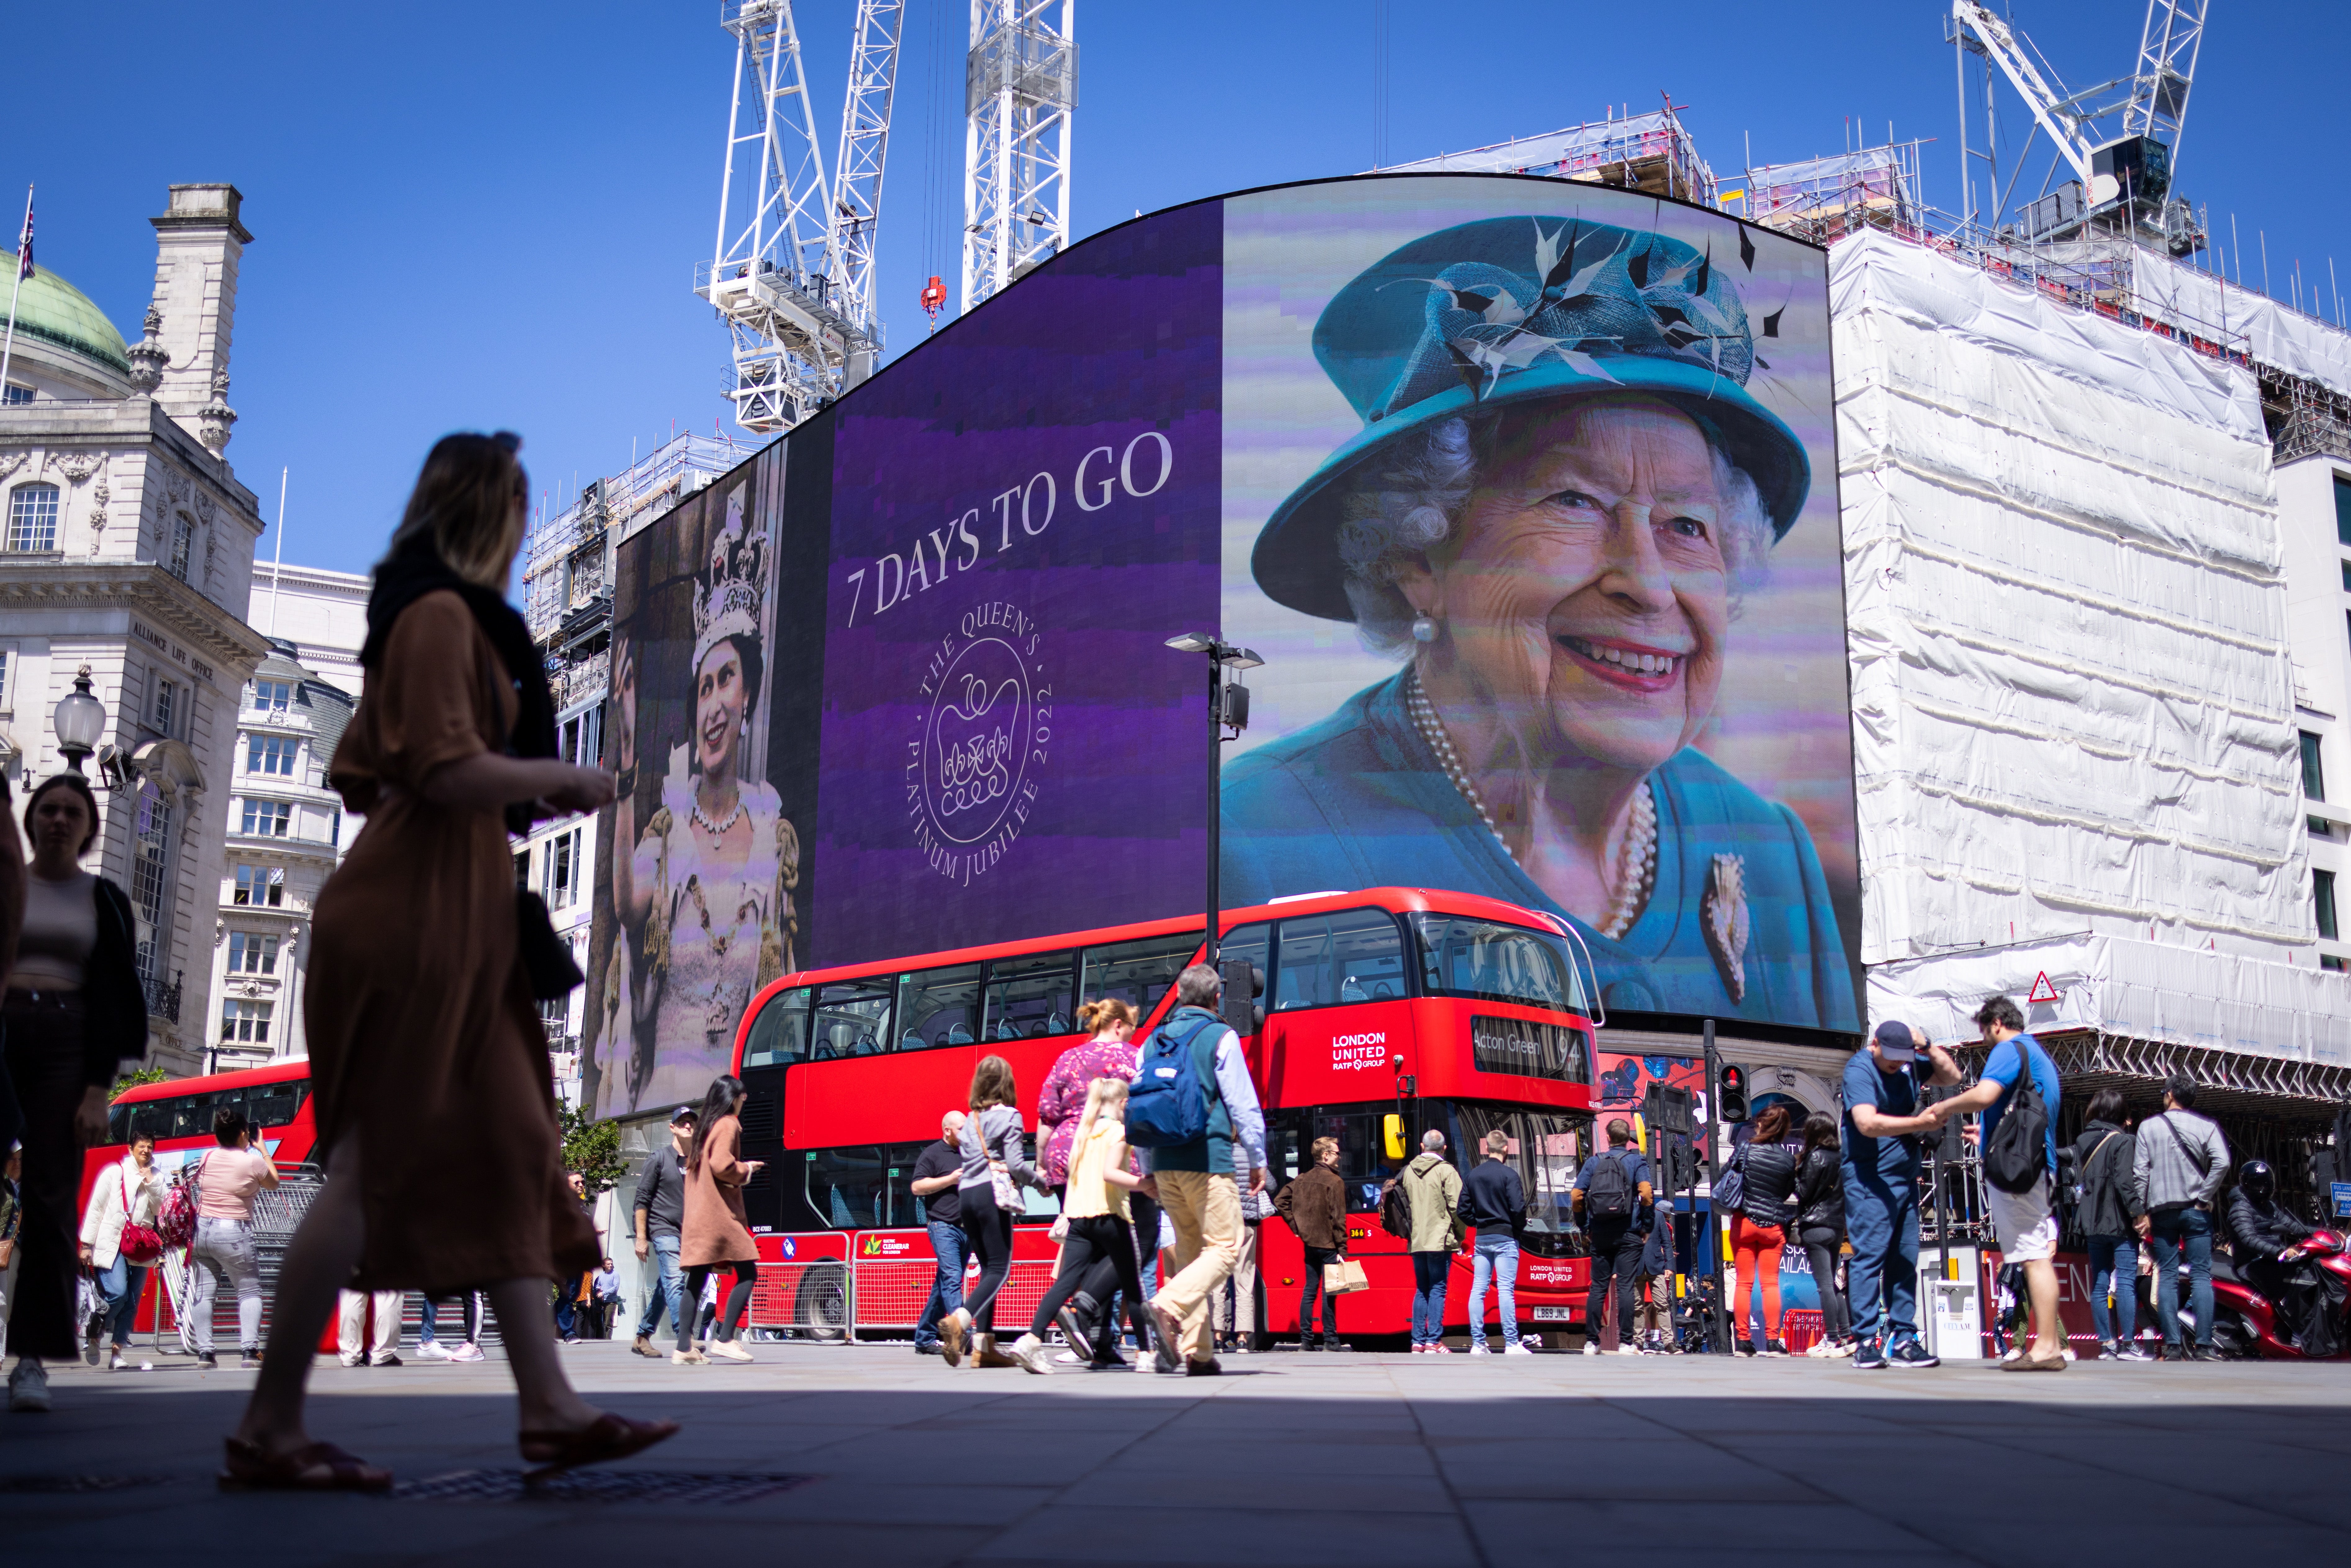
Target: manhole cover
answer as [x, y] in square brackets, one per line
[52, 1485]
[595, 1486]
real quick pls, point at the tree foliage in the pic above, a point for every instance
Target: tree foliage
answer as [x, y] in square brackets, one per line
[593, 1148]
[135, 1078]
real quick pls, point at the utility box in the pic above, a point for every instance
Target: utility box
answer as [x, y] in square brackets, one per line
[1953, 1308]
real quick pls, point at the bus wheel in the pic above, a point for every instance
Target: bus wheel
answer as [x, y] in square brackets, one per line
[821, 1305]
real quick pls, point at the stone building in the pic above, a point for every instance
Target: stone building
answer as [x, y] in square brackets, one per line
[127, 555]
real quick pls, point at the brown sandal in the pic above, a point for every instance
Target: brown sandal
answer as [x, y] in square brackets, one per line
[315, 1466]
[609, 1436]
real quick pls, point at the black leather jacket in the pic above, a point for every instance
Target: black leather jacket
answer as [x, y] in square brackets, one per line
[1770, 1171]
[2259, 1231]
[1820, 1192]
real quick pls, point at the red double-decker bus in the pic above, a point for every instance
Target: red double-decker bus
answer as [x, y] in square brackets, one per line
[178, 1115]
[1386, 1013]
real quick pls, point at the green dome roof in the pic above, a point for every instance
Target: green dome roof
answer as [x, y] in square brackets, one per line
[50, 308]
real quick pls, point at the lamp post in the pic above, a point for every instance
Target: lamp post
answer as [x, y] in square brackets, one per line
[80, 721]
[1227, 704]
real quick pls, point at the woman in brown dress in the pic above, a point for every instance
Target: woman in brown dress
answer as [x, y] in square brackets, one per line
[435, 1103]
[715, 1233]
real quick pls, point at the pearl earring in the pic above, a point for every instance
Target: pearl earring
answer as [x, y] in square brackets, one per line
[1424, 629]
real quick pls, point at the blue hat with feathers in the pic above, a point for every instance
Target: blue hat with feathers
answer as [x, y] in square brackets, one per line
[1512, 310]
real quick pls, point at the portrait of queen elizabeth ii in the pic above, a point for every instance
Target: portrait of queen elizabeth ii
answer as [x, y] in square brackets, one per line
[1562, 495]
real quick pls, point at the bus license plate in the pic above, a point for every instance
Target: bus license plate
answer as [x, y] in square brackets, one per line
[1553, 1315]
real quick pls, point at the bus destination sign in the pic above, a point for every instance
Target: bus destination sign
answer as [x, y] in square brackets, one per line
[1529, 1048]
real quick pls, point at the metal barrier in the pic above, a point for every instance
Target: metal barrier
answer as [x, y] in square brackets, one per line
[811, 1298]
[890, 1292]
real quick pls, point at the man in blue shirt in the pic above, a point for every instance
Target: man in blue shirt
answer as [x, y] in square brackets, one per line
[2024, 1222]
[1882, 1128]
[1610, 1204]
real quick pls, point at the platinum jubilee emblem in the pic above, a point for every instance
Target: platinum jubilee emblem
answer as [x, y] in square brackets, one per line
[973, 771]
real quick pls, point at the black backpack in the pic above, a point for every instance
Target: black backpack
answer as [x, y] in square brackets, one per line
[2016, 1155]
[1395, 1210]
[1610, 1196]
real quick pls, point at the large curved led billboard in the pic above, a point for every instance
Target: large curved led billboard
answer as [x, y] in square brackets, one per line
[1524, 489]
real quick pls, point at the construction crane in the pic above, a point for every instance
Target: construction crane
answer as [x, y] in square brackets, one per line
[1020, 85]
[2120, 138]
[792, 271]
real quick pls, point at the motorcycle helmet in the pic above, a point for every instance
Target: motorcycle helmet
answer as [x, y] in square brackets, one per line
[2259, 1181]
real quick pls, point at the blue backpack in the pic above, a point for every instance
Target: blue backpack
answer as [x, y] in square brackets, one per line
[1167, 1104]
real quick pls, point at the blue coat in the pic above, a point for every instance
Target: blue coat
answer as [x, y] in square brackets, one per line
[1359, 800]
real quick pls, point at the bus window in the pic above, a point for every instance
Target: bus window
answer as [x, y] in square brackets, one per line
[274, 1104]
[852, 1019]
[938, 1006]
[780, 1032]
[1290, 1149]
[1461, 956]
[1140, 972]
[864, 1185]
[1253, 942]
[1547, 1149]
[1029, 997]
[1355, 956]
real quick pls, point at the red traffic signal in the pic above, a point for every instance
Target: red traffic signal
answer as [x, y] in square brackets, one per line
[1730, 1093]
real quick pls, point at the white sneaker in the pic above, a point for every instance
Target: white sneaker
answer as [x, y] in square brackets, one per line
[727, 1350]
[431, 1350]
[1479, 1349]
[1516, 1350]
[1591, 1347]
[348, 1359]
[1030, 1352]
[1067, 1358]
[468, 1352]
[28, 1387]
[1441, 1349]
[118, 1362]
[1628, 1348]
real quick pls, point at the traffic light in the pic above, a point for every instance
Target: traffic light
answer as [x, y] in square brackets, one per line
[1730, 1093]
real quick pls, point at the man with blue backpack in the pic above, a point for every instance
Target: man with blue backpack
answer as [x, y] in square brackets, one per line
[1190, 1107]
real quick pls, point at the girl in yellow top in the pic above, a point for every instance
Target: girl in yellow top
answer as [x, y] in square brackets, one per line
[1095, 1207]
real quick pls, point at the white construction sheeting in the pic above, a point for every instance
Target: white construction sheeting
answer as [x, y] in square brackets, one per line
[2140, 990]
[2073, 705]
[2275, 334]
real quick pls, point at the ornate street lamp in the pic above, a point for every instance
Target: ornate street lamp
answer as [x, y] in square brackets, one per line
[80, 721]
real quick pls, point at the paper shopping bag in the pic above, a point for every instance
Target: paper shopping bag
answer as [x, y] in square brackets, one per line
[1344, 1276]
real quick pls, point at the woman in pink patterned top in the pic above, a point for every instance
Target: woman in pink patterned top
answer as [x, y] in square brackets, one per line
[1109, 1054]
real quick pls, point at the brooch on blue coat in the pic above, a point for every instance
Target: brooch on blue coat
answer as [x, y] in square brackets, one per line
[1722, 914]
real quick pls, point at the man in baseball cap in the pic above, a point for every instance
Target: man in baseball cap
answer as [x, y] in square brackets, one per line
[1882, 1124]
[660, 1210]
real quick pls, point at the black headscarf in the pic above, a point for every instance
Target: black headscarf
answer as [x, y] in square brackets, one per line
[415, 569]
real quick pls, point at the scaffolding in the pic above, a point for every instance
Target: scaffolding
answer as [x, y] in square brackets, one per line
[566, 574]
[1826, 199]
[1653, 154]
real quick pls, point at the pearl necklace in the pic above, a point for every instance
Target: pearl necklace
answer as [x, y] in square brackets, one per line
[1637, 868]
[717, 828]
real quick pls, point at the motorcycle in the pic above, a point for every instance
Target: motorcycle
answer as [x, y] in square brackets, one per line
[2246, 1324]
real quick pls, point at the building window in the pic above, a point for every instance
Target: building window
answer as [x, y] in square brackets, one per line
[4, 707]
[2329, 961]
[2346, 577]
[2322, 896]
[166, 708]
[2343, 508]
[260, 885]
[183, 535]
[250, 953]
[33, 517]
[522, 869]
[335, 829]
[563, 869]
[270, 754]
[267, 818]
[246, 1022]
[18, 394]
[2314, 773]
[583, 738]
[151, 876]
[272, 696]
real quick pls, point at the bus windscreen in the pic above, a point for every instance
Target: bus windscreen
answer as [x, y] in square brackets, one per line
[1487, 961]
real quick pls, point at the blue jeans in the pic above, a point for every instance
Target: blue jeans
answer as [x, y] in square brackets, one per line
[2175, 1230]
[1497, 1256]
[2113, 1264]
[670, 1292]
[122, 1283]
[1881, 1220]
[1428, 1296]
[947, 1286]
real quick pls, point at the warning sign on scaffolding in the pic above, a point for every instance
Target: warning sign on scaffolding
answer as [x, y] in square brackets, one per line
[2043, 991]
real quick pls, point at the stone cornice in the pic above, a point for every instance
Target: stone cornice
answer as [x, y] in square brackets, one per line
[40, 581]
[125, 420]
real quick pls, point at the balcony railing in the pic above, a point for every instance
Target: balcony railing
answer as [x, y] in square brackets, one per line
[163, 999]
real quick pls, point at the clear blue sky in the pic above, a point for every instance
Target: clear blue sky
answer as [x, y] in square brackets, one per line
[469, 217]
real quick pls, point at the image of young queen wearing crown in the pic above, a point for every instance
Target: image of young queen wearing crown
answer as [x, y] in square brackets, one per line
[705, 899]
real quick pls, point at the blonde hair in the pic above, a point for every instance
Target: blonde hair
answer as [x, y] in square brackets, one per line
[469, 504]
[1099, 1014]
[1323, 1146]
[1102, 1094]
[991, 1084]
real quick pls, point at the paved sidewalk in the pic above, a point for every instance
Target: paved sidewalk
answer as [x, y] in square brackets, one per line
[1339, 1461]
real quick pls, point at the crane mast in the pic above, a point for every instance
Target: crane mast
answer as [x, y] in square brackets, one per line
[791, 270]
[1020, 85]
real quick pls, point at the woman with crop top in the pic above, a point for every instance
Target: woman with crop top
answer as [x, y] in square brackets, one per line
[990, 1147]
[227, 1177]
[73, 1010]
[1096, 1210]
